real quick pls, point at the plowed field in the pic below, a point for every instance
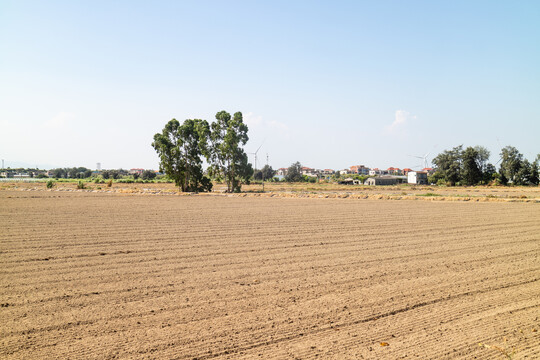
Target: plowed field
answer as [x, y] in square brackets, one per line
[103, 276]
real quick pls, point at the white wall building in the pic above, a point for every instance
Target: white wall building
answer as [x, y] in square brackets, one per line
[417, 177]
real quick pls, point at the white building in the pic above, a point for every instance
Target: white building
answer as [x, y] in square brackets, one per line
[281, 172]
[417, 177]
[21, 176]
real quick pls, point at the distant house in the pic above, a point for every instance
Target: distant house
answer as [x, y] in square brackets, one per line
[136, 171]
[359, 169]
[417, 177]
[21, 176]
[385, 180]
[328, 172]
[281, 171]
[406, 171]
[394, 171]
[309, 171]
[430, 171]
[344, 172]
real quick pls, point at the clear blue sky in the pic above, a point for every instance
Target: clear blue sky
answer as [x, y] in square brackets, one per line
[329, 84]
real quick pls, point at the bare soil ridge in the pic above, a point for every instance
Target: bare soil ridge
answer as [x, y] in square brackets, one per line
[303, 190]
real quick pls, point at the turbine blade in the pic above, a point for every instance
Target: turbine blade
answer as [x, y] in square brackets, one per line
[260, 146]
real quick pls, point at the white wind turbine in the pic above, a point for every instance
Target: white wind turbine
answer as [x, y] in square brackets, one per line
[255, 155]
[425, 162]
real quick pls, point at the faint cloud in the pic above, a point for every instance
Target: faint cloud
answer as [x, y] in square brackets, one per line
[252, 120]
[401, 118]
[278, 125]
[257, 122]
[59, 120]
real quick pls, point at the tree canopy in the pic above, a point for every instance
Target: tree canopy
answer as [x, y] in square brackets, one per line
[448, 164]
[266, 173]
[180, 148]
[72, 173]
[511, 163]
[471, 167]
[294, 172]
[227, 156]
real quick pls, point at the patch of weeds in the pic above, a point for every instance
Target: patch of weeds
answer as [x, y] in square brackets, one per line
[109, 183]
[429, 194]
[81, 185]
[50, 184]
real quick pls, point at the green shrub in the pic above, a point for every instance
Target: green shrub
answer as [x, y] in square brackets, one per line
[109, 183]
[81, 185]
[50, 184]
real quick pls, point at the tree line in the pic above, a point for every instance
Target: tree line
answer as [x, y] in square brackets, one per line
[183, 147]
[71, 173]
[470, 166]
[84, 173]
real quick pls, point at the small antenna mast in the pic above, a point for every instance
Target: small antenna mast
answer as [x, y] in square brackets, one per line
[263, 172]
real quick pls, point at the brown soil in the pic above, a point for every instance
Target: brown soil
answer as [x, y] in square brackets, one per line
[398, 192]
[108, 275]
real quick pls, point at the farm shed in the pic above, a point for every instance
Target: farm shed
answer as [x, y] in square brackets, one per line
[385, 180]
[349, 181]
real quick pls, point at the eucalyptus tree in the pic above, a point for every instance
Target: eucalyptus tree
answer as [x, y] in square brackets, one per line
[448, 164]
[512, 161]
[294, 172]
[534, 177]
[180, 148]
[482, 157]
[489, 174]
[228, 159]
[472, 163]
[266, 173]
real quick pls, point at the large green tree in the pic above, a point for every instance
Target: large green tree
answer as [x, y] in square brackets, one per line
[294, 172]
[489, 174]
[512, 161]
[472, 161]
[148, 175]
[482, 157]
[180, 148]
[448, 164]
[524, 174]
[266, 173]
[534, 177]
[228, 158]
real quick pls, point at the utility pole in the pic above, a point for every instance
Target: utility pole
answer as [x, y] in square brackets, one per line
[263, 171]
